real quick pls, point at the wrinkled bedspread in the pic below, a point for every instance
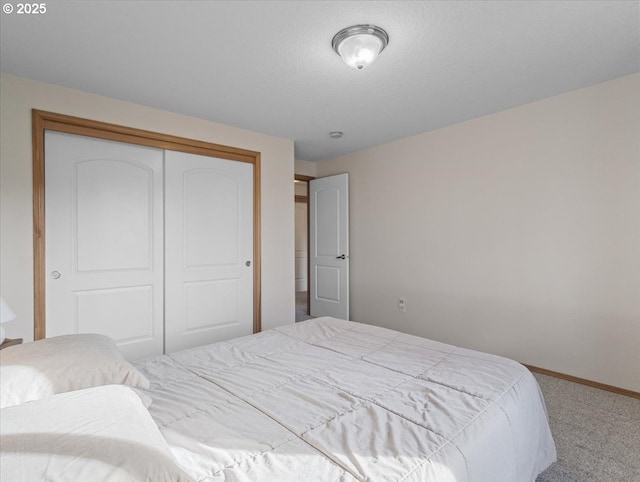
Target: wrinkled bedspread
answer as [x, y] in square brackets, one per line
[332, 400]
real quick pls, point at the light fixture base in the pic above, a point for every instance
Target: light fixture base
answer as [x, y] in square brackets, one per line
[360, 45]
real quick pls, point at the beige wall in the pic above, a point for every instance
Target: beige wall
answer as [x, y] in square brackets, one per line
[300, 188]
[301, 246]
[18, 96]
[517, 233]
[306, 168]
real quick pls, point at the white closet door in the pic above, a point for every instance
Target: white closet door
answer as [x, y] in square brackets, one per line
[208, 250]
[104, 243]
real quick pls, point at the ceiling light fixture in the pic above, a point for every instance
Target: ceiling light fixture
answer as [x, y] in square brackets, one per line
[336, 134]
[360, 45]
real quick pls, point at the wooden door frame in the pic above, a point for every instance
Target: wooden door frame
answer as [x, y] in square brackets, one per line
[42, 121]
[305, 199]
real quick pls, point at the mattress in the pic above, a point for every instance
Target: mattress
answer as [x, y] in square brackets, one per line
[332, 400]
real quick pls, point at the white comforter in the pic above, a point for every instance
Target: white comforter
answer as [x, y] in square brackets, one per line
[331, 400]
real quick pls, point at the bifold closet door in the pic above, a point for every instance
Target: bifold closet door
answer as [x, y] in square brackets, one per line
[208, 250]
[104, 241]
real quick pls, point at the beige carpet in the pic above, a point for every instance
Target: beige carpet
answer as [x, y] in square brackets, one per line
[597, 433]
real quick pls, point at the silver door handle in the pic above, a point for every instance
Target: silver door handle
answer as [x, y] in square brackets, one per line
[342, 256]
[55, 274]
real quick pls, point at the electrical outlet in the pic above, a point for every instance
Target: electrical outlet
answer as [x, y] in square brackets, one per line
[402, 305]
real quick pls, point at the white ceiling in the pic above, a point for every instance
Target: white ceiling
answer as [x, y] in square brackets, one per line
[268, 66]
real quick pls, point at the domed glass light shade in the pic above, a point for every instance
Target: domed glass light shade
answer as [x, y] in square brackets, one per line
[360, 45]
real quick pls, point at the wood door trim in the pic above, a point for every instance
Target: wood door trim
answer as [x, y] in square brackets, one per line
[302, 177]
[584, 381]
[42, 120]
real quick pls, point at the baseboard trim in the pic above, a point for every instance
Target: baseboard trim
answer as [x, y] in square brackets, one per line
[582, 381]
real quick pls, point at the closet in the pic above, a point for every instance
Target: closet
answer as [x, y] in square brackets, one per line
[152, 247]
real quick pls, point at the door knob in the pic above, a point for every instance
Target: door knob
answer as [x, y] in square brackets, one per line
[247, 263]
[55, 274]
[342, 256]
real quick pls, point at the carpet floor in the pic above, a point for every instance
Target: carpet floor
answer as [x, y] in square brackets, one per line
[597, 433]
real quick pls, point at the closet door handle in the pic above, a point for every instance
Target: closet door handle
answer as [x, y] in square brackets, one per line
[247, 263]
[342, 256]
[56, 274]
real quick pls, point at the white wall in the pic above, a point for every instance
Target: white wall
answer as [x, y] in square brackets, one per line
[517, 233]
[18, 96]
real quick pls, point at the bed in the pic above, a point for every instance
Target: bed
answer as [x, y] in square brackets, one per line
[332, 400]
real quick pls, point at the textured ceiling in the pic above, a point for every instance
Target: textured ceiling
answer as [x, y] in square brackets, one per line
[269, 67]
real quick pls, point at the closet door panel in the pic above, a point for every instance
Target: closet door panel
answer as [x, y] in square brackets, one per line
[113, 215]
[211, 218]
[104, 241]
[210, 303]
[100, 310]
[208, 250]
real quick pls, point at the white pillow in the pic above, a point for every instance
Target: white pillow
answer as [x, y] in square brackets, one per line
[54, 365]
[95, 434]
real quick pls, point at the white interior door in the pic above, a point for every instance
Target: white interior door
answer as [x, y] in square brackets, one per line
[104, 241]
[208, 250]
[329, 233]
